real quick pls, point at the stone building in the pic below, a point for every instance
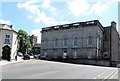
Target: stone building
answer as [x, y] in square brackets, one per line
[87, 42]
[111, 43]
[8, 42]
[36, 48]
[33, 40]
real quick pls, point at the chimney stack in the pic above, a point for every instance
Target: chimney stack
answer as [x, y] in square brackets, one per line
[113, 24]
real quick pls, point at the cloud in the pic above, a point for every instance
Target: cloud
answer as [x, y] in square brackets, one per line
[100, 7]
[5, 22]
[81, 7]
[39, 15]
[42, 17]
[46, 4]
[37, 33]
[29, 6]
[26, 4]
[116, 1]
[78, 7]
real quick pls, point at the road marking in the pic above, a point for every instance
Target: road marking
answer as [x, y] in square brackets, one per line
[99, 75]
[109, 75]
[114, 74]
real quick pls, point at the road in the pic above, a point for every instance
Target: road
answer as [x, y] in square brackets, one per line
[39, 69]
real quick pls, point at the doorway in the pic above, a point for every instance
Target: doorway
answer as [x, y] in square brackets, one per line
[65, 55]
[6, 53]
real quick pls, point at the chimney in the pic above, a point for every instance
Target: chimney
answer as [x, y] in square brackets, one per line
[113, 24]
[10, 26]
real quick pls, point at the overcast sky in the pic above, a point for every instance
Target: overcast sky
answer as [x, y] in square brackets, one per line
[32, 15]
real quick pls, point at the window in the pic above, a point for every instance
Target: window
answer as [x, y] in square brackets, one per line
[65, 42]
[7, 39]
[90, 40]
[15, 42]
[45, 42]
[75, 40]
[100, 40]
[56, 42]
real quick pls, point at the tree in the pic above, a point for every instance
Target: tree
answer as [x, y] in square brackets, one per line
[23, 41]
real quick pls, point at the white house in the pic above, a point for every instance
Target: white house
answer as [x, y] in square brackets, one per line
[8, 42]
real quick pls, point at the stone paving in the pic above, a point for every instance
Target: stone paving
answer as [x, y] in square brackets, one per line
[3, 62]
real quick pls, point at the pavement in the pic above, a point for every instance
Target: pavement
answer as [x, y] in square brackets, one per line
[4, 62]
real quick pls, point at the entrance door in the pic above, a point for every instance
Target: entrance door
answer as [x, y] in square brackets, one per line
[65, 55]
[6, 53]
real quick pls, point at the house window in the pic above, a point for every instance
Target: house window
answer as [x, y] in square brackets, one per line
[56, 42]
[65, 42]
[7, 39]
[75, 40]
[90, 40]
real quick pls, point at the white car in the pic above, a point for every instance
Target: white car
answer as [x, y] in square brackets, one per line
[118, 65]
[31, 55]
[37, 56]
[20, 54]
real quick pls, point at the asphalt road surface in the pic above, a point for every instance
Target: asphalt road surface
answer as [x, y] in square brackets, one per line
[40, 69]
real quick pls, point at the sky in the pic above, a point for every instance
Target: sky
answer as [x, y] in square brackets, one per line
[32, 15]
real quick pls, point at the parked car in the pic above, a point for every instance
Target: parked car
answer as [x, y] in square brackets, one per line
[31, 56]
[26, 57]
[37, 56]
[43, 57]
[20, 54]
[118, 65]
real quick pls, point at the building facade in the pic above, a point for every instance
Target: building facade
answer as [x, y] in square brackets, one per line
[119, 50]
[8, 43]
[33, 40]
[111, 43]
[83, 41]
[36, 49]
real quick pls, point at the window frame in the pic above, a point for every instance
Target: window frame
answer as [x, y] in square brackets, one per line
[56, 42]
[65, 42]
[7, 39]
[90, 40]
[75, 41]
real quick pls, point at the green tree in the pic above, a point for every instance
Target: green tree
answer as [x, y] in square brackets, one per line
[23, 41]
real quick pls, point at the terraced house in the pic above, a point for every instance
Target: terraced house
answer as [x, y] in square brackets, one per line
[8, 42]
[83, 42]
